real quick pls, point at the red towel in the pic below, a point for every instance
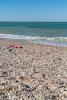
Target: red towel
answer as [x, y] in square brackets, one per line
[15, 46]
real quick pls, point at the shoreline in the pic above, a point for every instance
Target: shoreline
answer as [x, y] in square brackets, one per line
[57, 41]
[34, 43]
[33, 72]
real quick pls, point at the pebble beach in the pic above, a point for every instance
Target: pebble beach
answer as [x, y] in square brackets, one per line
[30, 71]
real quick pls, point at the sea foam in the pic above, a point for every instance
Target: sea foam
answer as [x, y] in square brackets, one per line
[37, 39]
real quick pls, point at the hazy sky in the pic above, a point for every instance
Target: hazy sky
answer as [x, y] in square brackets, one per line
[33, 10]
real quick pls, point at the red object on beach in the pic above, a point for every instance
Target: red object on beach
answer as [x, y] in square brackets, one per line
[15, 46]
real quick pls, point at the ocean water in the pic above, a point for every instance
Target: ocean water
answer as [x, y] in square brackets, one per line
[53, 33]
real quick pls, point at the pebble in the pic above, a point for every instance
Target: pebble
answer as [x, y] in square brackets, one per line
[65, 94]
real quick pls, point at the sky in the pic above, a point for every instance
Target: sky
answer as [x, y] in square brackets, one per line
[33, 10]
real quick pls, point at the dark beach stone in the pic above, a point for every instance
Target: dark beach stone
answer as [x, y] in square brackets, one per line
[2, 84]
[46, 97]
[43, 75]
[16, 81]
[21, 77]
[53, 97]
[26, 88]
[61, 83]
[48, 53]
[18, 93]
[3, 95]
[47, 87]
[10, 50]
[4, 74]
[59, 58]
[21, 47]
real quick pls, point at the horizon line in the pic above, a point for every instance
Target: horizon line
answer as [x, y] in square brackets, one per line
[33, 21]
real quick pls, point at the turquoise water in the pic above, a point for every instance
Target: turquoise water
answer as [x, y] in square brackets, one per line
[42, 32]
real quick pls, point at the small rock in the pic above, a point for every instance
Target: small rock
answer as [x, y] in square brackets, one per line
[27, 88]
[65, 94]
[65, 89]
[53, 97]
[4, 74]
[0, 64]
[61, 83]
[3, 96]
[10, 50]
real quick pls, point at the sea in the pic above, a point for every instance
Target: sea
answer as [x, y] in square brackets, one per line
[50, 33]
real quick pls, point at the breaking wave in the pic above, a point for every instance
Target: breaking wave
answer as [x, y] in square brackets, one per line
[37, 39]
